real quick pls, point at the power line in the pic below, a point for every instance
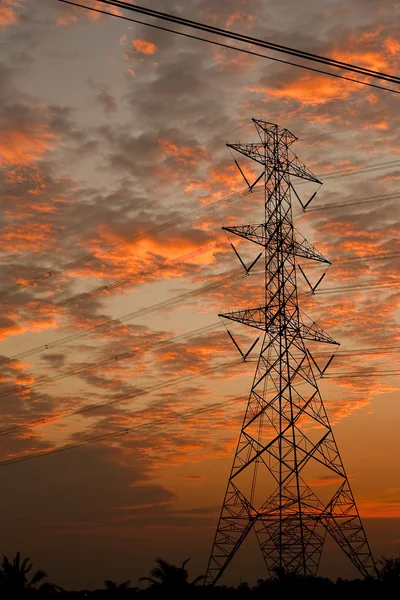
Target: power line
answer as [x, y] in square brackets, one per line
[117, 321]
[369, 200]
[142, 312]
[388, 256]
[364, 375]
[360, 287]
[153, 423]
[271, 46]
[194, 214]
[42, 348]
[19, 389]
[156, 422]
[357, 259]
[350, 172]
[359, 351]
[117, 284]
[89, 407]
[125, 397]
[256, 42]
[55, 272]
[365, 169]
[236, 275]
[126, 177]
[152, 346]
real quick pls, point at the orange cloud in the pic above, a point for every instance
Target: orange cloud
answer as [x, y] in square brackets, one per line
[369, 60]
[93, 16]
[239, 16]
[40, 323]
[8, 16]
[186, 155]
[393, 46]
[310, 90]
[66, 19]
[381, 125]
[380, 509]
[70, 14]
[144, 47]
[229, 59]
[314, 90]
[26, 237]
[27, 175]
[24, 147]
[145, 249]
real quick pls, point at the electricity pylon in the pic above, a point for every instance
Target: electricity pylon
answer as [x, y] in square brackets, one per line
[286, 446]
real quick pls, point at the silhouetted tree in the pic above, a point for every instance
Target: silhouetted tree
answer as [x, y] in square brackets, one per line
[113, 586]
[282, 574]
[168, 575]
[389, 570]
[14, 577]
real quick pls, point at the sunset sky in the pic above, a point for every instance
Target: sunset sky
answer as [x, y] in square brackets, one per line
[115, 183]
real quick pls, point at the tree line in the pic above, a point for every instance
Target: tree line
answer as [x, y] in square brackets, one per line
[166, 580]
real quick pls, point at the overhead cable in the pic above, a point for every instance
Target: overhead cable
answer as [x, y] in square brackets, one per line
[300, 54]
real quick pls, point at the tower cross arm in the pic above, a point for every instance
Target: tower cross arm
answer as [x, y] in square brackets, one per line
[289, 163]
[315, 333]
[299, 169]
[252, 317]
[310, 331]
[255, 151]
[274, 324]
[304, 249]
[265, 236]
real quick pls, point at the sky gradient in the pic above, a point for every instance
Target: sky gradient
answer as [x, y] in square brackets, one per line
[114, 171]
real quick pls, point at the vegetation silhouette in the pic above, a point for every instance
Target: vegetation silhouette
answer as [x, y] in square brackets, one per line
[170, 576]
[389, 570]
[112, 586]
[170, 581]
[15, 578]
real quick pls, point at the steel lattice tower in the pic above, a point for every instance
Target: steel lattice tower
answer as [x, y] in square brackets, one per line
[286, 437]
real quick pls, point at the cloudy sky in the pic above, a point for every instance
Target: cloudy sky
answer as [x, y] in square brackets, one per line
[115, 182]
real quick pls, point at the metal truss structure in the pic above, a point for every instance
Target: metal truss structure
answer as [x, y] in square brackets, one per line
[286, 446]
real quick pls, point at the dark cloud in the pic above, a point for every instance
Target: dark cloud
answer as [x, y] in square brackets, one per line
[95, 482]
[55, 361]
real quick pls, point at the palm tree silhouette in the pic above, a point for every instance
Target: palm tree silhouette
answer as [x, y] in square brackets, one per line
[113, 586]
[168, 575]
[14, 576]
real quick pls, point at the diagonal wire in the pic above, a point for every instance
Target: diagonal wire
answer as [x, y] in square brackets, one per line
[128, 396]
[194, 214]
[109, 324]
[122, 398]
[220, 44]
[161, 421]
[107, 436]
[54, 272]
[241, 37]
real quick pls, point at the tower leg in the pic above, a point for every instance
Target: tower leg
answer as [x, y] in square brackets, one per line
[235, 522]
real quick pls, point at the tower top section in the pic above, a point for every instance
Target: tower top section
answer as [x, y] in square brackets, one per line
[273, 153]
[268, 130]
